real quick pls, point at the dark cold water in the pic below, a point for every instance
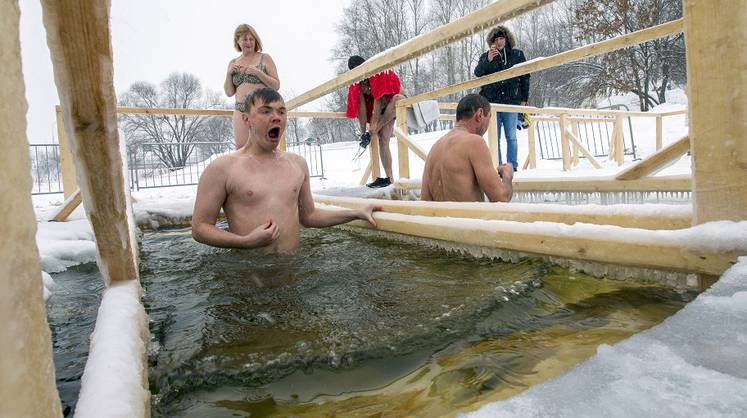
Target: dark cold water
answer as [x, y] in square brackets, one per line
[353, 325]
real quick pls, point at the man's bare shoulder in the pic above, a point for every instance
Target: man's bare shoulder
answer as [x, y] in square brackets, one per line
[295, 159]
[222, 164]
[472, 138]
[225, 161]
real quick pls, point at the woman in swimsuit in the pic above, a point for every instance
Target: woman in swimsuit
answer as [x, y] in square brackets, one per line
[250, 71]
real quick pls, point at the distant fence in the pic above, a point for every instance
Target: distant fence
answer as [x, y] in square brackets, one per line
[594, 132]
[45, 168]
[153, 164]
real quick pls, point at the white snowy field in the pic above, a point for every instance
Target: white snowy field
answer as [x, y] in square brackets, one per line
[682, 367]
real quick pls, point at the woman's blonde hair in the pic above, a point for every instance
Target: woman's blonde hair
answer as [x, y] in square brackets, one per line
[242, 30]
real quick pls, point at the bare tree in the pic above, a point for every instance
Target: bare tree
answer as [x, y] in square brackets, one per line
[645, 69]
[172, 137]
[368, 27]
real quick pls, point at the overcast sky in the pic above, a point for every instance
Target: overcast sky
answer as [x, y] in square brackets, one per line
[153, 38]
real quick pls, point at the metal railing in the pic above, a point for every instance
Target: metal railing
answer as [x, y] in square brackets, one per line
[153, 165]
[45, 168]
[594, 132]
[311, 151]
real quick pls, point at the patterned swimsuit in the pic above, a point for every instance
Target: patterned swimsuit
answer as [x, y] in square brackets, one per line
[241, 78]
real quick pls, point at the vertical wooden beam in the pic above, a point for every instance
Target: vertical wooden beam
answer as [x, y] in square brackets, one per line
[659, 132]
[717, 102]
[403, 153]
[564, 145]
[374, 150]
[532, 145]
[282, 145]
[80, 45]
[69, 184]
[493, 137]
[27, 382]
[617, 147]
[574, 129]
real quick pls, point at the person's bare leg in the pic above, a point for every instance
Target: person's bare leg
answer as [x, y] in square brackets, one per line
[385, 133]
[385, 154]
[390, 112]
[362, 117]
[240, 130]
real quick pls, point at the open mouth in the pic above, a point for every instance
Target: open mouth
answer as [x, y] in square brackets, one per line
[274, 133]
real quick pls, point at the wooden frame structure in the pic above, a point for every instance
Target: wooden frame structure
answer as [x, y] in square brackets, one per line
[78, 31]
[27, 377]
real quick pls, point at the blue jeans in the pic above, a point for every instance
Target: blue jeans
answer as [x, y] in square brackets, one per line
[509, 121]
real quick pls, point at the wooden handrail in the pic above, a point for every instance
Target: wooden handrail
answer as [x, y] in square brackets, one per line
[528, 67]
[488, 16]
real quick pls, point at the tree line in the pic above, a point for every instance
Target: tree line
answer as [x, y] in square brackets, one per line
[368, 27]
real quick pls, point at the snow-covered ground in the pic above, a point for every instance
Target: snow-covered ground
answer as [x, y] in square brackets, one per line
[682, 367]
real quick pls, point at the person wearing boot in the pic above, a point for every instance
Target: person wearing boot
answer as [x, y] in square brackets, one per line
[372, 101]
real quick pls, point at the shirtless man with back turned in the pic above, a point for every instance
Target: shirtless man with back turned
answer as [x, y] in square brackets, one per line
[264, 192]
[459, 168]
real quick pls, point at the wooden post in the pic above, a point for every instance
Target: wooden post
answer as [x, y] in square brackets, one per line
[403, 153]
[564, 145]
[717, 102]
[281, 145]
[80, 44]
[374, 150]
[27, 382]
[493, 137]
[617, 147]
[532, 145]
[69, 184]
[659, 132]
[574, 128]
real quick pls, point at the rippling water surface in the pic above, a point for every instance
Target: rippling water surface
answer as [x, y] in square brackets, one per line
[352, 325]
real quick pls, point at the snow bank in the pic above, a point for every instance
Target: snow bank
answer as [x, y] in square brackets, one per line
[114, 382]
[65, 244]
[47, 285]
[682, 367]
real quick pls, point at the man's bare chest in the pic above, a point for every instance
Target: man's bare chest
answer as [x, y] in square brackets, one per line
[251, 184]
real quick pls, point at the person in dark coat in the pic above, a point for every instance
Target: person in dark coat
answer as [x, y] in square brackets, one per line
[501, 55]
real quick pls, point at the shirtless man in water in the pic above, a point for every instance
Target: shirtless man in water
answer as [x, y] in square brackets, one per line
[264, 192]
[458, 167]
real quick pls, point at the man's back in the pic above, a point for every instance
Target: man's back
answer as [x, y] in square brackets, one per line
[448, 174]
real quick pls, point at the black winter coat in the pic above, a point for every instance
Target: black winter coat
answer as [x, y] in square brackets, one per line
[512, 91]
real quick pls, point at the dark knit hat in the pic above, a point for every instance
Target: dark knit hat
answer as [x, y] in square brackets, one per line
[355, 61]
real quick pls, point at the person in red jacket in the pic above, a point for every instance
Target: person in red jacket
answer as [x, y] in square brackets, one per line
[372, 101]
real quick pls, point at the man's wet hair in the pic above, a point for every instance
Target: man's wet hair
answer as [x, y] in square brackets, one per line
[469, 105]
[355, 61]
[262, 96]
